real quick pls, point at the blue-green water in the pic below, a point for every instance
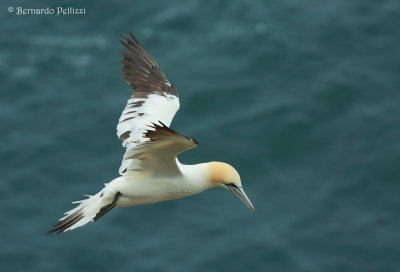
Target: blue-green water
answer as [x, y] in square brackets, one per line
[302, 97]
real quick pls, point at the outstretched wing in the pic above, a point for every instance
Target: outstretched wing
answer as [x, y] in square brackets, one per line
[154, 100]
[158, 154]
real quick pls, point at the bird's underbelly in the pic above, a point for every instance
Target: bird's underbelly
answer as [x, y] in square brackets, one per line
[139, 192]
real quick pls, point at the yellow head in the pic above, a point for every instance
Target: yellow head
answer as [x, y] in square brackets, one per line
[223, 175]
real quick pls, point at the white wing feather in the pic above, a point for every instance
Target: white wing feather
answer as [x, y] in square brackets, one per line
[154, 100]
[156, 108]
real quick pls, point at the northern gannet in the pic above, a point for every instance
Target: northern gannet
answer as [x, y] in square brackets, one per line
[150, 171]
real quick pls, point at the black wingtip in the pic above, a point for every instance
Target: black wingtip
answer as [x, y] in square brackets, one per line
[164, 125]
[134, 38]
[126, 37]
[130, 40]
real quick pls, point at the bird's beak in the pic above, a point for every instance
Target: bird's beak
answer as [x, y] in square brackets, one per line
[239, 192]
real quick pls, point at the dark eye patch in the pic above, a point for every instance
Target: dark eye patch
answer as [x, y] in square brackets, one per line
[231, 185]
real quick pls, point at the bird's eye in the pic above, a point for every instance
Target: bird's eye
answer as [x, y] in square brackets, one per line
[231, 185]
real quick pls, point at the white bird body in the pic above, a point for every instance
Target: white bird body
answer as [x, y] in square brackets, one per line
[150, 171]
[143, 188]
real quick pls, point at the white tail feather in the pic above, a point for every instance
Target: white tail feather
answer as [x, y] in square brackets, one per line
[81, 214]
[87, 209]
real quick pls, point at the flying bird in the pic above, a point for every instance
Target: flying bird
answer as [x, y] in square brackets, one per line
[150, 171]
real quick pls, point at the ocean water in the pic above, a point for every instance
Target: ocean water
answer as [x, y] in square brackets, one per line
[302, 97]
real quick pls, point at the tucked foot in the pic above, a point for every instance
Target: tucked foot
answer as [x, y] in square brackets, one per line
[108, 207]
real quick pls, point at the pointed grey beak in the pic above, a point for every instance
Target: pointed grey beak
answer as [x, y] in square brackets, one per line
[239, 192]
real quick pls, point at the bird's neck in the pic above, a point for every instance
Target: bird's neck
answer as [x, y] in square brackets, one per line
[196, 176]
